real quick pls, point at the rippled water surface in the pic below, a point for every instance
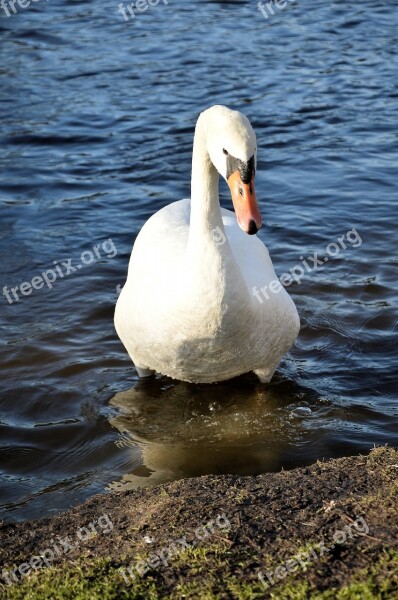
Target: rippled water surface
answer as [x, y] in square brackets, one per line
[97, 124]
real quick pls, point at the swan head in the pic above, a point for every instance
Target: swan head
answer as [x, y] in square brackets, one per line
[232, 148]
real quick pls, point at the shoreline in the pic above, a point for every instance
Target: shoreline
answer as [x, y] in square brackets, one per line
[325, 531]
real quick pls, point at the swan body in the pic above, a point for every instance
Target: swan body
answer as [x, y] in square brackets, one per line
[187, 309]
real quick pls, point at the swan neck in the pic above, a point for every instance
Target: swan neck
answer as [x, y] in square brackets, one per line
[205, 204]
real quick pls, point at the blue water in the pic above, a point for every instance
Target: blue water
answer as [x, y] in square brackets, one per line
[97, 119]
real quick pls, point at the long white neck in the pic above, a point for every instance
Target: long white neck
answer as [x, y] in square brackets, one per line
[211, 274]
[212, 289]
[205, 204]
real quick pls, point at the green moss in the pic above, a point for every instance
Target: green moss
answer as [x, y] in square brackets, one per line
[98, 580]
[196, 574]
[377, 582]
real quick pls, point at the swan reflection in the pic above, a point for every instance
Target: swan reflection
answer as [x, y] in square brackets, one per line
[240, 426]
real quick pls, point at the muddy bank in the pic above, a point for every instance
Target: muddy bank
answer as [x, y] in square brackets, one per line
[325, 531]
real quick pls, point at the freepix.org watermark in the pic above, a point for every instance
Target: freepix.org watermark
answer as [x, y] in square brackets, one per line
[267, 10]
[310, 263]
[174, 548]
[46, 556]
[140, 6]
[302, 560]
[9, 5]
[106, 249]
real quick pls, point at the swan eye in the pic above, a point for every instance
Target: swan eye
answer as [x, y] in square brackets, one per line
[225, 151]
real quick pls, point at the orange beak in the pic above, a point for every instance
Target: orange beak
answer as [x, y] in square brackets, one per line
[245, 203]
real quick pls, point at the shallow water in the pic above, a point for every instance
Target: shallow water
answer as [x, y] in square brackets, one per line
[97, 124]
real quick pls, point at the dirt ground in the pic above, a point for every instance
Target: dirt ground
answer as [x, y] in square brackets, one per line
[325, 531]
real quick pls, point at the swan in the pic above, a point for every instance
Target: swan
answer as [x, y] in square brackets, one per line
[188, 309]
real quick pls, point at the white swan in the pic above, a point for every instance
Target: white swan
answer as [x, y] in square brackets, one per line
[188, 308]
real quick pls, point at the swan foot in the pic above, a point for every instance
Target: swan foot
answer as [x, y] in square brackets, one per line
[144, 372]
[264, 375]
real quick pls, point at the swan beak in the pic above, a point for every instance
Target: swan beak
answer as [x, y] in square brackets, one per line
[245, 203]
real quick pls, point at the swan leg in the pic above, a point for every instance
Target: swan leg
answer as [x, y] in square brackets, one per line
[265, 375]
[143, 372]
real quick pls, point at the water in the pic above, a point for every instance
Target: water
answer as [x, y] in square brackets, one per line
[97, 125]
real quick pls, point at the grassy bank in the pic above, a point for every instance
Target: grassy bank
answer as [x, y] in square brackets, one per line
[322, 532]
